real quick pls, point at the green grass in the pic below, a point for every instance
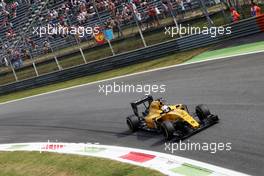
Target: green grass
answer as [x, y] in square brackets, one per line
[224, 52]
[172, 59]
[52, 164]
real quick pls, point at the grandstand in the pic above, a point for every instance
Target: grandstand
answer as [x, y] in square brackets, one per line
[29, 15]
[19, 18]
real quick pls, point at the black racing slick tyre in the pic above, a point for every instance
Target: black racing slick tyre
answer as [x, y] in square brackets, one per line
[202, 111]
[167, 129]
[132, 123]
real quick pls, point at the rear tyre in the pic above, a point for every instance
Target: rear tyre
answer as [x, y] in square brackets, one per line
[167, 129]
[202, 112]
[132, 123]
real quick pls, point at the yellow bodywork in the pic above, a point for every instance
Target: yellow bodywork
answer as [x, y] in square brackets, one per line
[177, 112]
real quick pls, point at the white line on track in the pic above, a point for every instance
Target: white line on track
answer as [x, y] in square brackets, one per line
[221, 169]
[133, 74]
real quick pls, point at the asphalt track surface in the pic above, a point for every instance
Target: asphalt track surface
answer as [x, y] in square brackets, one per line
[231, 87]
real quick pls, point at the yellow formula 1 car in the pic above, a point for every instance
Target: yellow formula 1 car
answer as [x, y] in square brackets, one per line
[171, 120]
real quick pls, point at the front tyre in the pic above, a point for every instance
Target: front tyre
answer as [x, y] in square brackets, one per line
[132, 123]
[213, 118]
[167, 129]
[202, 111]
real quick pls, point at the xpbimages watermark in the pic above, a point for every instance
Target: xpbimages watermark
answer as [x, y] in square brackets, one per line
[211, 147]
[131, 88]
[59, 146]
[191, 30]
[62, 30]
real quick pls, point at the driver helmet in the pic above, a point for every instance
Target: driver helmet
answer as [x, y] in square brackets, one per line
[165, 108]
[162, 101]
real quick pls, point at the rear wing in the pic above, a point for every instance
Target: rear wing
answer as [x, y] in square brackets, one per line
[145, 99]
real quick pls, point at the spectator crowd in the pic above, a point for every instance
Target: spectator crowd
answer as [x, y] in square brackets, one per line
[82, 12]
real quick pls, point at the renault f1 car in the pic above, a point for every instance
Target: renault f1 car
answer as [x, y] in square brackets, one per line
[171, 120]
